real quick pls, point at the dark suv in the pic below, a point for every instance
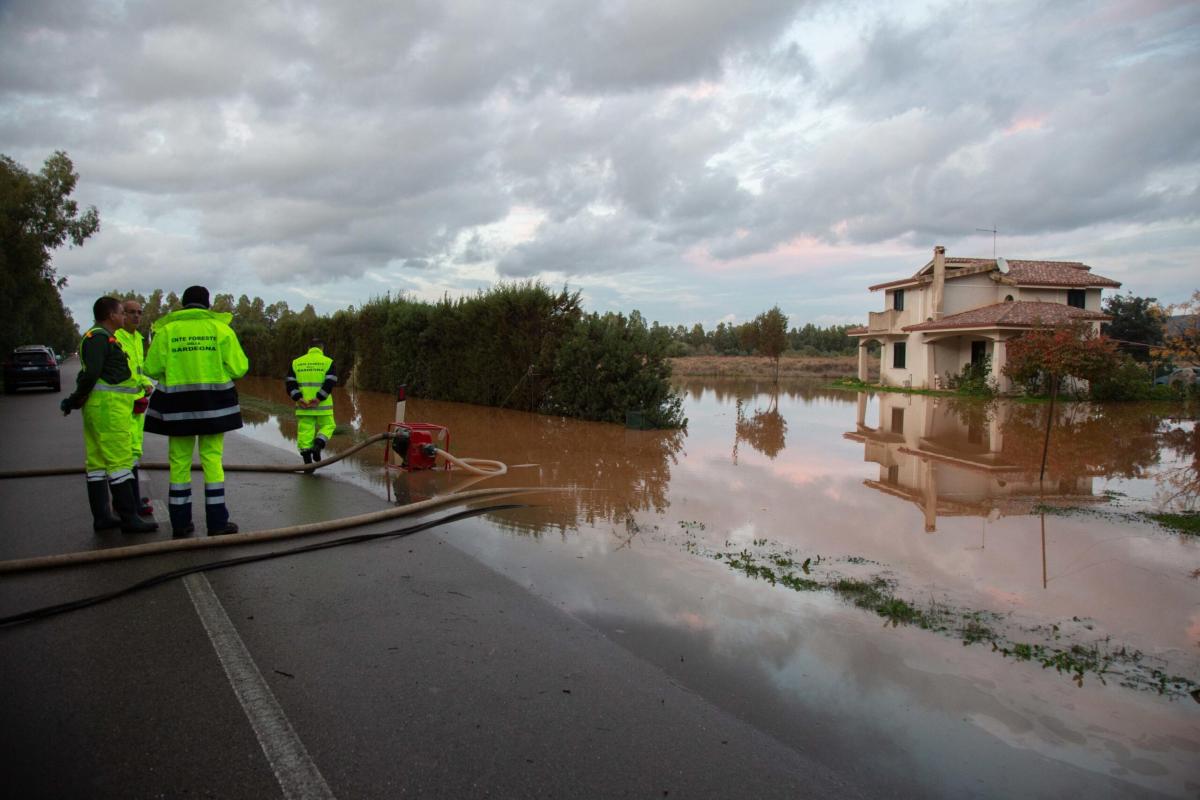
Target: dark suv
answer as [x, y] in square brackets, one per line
[31, 365]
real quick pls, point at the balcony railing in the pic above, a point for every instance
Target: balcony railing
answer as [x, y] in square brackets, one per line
[883, 321]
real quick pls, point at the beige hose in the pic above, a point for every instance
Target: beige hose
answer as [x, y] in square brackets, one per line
[271, 534]
[173, 545]
[469, 464]
[298, 468]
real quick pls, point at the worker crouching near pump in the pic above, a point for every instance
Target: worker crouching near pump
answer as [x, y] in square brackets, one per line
[310, 383]
[106, 389]
[195, 356]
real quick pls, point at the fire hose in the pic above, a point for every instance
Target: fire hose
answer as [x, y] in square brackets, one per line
[481, 468]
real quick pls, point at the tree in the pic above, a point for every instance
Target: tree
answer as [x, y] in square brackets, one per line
[772, 337]
[37, 217]
[1041, 358]
[1181, 343]
[1137, 324]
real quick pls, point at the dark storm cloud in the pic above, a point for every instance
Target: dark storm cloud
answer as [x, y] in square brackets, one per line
[320, 141]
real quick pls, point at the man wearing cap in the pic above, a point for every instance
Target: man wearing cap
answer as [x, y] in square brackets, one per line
[310, 383]
[131, 341]
[195, 356]
[105, 389]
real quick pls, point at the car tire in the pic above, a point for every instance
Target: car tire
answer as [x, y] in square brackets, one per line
[9, 388]
[57, 387]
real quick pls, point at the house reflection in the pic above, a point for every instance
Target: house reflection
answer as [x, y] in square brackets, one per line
[953, 458]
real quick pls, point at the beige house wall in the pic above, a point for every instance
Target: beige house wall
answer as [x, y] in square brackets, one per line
[964, 294]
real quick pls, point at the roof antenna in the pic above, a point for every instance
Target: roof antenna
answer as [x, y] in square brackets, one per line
[992, 231]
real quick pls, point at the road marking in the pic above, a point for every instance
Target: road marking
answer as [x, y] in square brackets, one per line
[298, 776]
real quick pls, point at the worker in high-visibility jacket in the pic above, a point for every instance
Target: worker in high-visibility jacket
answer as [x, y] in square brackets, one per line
[195, 357]
[132, 342]
[105, 389]
[310, 383]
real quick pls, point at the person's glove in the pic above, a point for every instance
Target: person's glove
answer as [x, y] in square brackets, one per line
[140, 405]
[65, 406]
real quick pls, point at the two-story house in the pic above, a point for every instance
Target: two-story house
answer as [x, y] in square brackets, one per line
[956, 311]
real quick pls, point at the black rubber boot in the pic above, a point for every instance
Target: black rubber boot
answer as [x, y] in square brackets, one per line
[102, 516]
[307, 455]
[318, 448]
[144, 509]
[216, 514]
[126, 500]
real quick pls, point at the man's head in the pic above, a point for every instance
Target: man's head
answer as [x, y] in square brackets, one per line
[133, 315]
[316, 342]
[108, 313]
[195, 297]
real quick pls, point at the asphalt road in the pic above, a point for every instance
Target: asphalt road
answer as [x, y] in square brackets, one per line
[398, 668]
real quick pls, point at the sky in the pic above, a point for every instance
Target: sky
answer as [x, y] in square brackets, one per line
[696, 160]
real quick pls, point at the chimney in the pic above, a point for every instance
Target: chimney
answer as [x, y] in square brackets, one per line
[939, 279]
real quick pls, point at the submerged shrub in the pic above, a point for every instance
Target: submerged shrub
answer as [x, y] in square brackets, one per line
[612, 365]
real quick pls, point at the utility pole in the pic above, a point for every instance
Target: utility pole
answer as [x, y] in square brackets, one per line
[992, 231]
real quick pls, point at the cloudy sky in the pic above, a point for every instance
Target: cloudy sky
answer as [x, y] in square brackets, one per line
[698, 160]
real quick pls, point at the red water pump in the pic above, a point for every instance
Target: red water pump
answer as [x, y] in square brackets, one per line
[416, 443]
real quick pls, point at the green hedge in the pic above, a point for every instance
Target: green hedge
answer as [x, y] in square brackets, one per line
[518, 346]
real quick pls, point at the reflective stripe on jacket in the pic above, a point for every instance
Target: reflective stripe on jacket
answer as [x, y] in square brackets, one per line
[312, 377]
[195, 356]
[106, 376]
[132, 344]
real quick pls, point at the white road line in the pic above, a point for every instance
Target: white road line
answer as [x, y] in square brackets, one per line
[298, 776]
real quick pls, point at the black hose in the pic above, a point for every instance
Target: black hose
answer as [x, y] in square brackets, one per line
[74, 605]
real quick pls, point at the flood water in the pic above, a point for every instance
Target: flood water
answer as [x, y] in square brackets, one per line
[1024, 636]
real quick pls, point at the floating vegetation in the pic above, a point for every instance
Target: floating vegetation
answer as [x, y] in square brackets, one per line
[1184, 522]
[1099, 659]
[1187, 523]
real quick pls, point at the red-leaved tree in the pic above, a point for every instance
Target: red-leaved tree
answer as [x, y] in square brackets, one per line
[1041, 356]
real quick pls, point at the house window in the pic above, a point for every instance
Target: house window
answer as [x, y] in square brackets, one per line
[978, 353]
[898, 299]
[1075, 297]
[894, 474]
[897, 420]
[898, 355]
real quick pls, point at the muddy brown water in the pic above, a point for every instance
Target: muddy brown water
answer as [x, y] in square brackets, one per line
[1061, 638]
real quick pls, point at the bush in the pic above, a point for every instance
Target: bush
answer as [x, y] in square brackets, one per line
[1128, 380]
[610, 365]
[975, 379]
[515, 346]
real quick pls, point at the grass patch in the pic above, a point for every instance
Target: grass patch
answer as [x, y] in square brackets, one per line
[1187, 523]
[1077, 661]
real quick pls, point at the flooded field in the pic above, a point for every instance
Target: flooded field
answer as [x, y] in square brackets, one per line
[880, 580]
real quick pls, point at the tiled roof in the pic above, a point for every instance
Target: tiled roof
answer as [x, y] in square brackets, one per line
[1020, 273]
[1021, 314]
[1056, 273]
[854, 331]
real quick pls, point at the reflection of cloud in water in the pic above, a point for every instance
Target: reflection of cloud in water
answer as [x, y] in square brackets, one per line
[799, 656]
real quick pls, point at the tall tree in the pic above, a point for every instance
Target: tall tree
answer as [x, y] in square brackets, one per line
[37, 216]
[1138, 324]
[772, 338]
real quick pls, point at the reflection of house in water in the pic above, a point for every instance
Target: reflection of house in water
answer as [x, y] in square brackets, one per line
[952, 459]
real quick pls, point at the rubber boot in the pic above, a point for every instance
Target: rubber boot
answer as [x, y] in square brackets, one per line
[216, 515]
[318, 448]
[144, 509]
[126, 500]
[180, 512]
[307, 455]
[102, 516]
